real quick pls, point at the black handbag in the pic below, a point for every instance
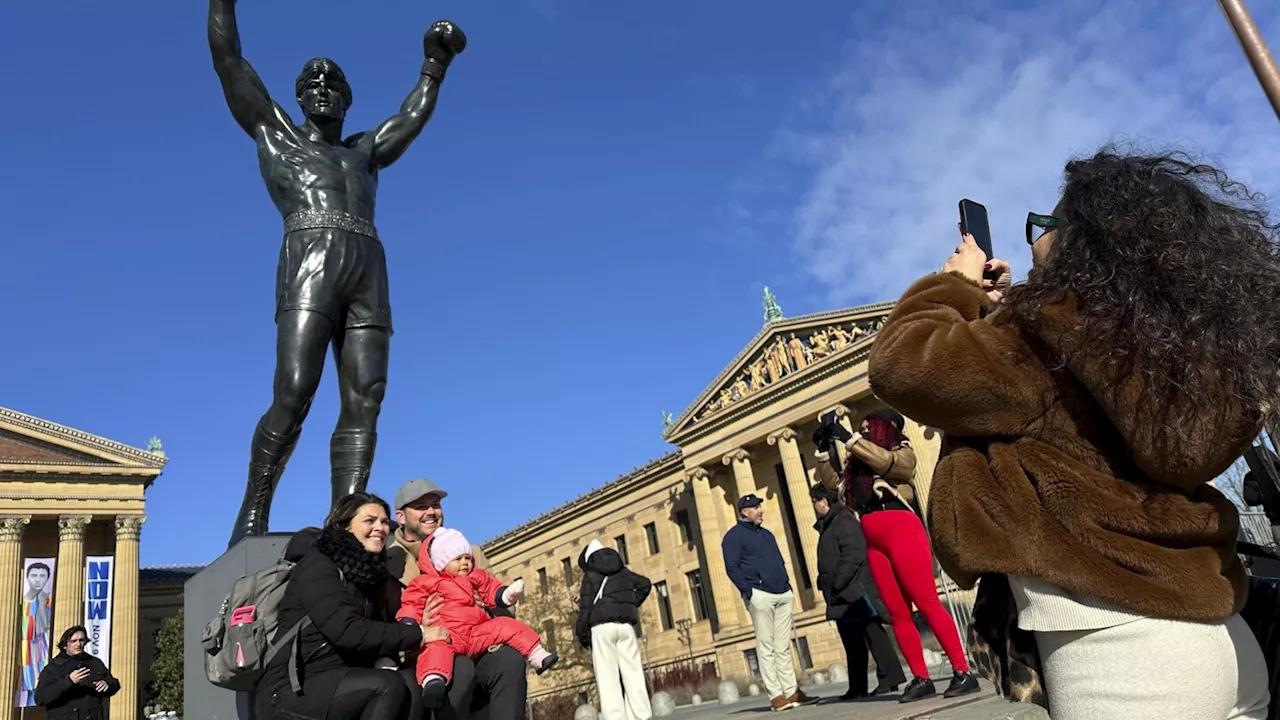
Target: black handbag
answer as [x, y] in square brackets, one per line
[860, 609]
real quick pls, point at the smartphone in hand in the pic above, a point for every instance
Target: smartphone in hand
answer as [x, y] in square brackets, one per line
[973, 220]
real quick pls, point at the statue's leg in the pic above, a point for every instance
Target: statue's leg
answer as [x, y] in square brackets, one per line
[361, 356]
[301, 339]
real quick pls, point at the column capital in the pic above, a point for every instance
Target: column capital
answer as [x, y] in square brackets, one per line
[735, 455]
[71, 527]
[782, 435]
[699, 473]
[129, 527]
[11, 527]
[839, 410]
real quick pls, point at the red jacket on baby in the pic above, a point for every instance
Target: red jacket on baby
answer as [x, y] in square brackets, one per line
[471, 630]
[460, 610]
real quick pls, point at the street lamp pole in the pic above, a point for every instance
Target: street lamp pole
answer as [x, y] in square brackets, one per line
[1255, 48]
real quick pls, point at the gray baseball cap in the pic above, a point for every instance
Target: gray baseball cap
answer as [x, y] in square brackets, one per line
[415, 489]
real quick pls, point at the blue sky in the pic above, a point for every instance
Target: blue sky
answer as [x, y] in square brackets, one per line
[581, 237]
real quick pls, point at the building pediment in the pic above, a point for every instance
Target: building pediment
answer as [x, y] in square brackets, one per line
[784, 352]
[30, 445]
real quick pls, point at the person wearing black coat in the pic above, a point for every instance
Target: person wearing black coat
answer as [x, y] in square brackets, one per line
[74, 683]
[608, 614]
[850, 593]
[340, 584]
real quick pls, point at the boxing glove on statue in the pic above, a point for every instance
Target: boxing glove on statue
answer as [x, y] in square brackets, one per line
[442, 42]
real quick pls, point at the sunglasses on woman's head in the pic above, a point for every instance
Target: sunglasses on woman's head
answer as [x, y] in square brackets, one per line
[1038, 225]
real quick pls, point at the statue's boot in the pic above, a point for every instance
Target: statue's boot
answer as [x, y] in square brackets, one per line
[267, 457]
[350, 458]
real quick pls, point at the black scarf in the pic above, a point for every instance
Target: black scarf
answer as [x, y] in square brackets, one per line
[366, 570]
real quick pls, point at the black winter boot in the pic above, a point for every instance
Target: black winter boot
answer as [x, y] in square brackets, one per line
[350, 459]
[268, 456]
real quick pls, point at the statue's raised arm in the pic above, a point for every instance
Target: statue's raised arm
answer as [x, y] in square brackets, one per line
[247, 97]
[442, 42]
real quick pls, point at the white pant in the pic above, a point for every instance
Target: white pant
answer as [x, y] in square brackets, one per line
[1153, 669]
[771, 617]
[616, 658]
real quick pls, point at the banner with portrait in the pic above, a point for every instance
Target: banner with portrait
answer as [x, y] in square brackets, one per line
[36, 607]
[98, 575]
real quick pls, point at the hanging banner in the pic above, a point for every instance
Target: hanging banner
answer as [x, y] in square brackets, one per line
[97, 605]
[37, 619]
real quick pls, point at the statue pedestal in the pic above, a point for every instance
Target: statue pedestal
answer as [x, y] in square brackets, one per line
[202, 598]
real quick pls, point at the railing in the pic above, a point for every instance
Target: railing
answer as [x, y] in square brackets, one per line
[1257, 529]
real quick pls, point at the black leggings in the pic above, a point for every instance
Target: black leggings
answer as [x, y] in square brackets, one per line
[860, 635]
[367, 694]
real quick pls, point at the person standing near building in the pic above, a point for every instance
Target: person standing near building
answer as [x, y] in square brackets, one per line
[74, 684]
[853, 601]
[755, 565]
[609, 603]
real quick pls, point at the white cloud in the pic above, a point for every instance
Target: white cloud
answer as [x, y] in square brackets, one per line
[953, 100]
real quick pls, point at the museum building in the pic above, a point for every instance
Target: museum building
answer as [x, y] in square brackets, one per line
[72, 507]
[748, 432]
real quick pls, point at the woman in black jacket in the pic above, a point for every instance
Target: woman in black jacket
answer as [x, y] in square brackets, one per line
[608, 613]
[74, 683]
[850, 592]
[340, 584]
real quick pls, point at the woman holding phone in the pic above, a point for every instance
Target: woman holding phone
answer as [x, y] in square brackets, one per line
[74, 683]
[876, 483]
[1085, 412]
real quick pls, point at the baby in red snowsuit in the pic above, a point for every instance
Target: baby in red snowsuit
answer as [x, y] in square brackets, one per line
[448, 570]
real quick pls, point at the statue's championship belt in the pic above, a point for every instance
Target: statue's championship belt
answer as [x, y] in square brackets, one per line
[329, 219]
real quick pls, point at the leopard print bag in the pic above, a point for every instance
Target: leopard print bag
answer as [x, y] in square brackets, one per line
[1003, 653]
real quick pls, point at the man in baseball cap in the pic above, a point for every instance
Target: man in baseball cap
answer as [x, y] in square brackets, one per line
[418, 512]
[496, 681]
[754, 564]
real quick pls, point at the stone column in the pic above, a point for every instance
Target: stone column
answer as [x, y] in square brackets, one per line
[740, 460]
[798, 486]
[68, 593]
[724, 596]
[10, 601]
[926, 457]
[124, 617]
[745, 480]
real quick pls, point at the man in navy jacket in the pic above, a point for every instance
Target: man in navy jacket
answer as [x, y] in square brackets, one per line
[755, 565]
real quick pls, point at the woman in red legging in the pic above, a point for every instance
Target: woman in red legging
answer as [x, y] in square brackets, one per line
[898, 548]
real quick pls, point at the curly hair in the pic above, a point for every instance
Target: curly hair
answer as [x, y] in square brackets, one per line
[1176, 272]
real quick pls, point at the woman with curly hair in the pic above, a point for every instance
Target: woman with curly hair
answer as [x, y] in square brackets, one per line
[876, 483]
[1085, 413]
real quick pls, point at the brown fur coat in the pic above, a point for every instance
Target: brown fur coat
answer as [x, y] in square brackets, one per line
[1059, 472]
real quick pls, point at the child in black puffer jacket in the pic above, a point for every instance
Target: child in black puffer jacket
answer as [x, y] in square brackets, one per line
[608, 613]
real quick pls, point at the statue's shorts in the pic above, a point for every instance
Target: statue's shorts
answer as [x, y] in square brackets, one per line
[332, 263]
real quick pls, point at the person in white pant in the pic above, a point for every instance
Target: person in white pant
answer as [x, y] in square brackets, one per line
[755, 565]
[608, 613]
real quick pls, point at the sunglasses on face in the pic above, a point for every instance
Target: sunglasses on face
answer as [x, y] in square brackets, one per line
[1038, 225]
